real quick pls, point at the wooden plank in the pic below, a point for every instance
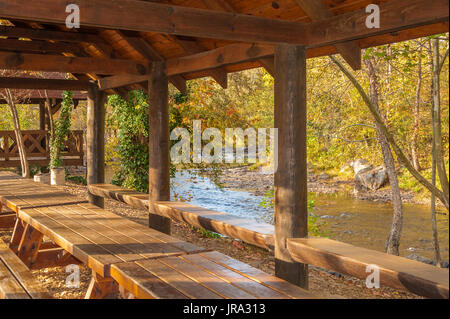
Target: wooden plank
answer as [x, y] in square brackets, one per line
[258, 234]
[159, 156]
[44, 84]
[38, 46]
[41, 34]
[101, 288]
[290, 186]
[396, 272]
[91, 254]
[57, 63]
[29, 245]
[236, 279]
[162, 18]
[12, 263]
[7, 221]
[270, 281]
[350, 51]
[9, 287]
[53, 257]
[148, 52]
[190, 288]
[230, 54]
[116, 81]
[95, 140]
[206, 279]
[142, 283]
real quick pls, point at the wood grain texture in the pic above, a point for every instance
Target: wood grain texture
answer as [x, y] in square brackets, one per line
[208, 275]
[16, 281]
[95, 140]
[258, 234]
[290, 185]
[396, 272]
[159, 157]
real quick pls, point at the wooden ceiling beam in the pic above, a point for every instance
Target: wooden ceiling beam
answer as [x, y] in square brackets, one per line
[318, 11]
[191, 46]
[222, 5]
[117, 81]
[42, 84]
[156, 17]
[38, 46]
[150, 54]
[57, 63]
[42, 34]
[230, 54]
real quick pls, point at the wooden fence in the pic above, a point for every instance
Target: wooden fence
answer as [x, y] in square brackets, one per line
[37, 148]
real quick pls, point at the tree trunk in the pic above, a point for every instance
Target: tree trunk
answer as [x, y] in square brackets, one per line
[393, 240]
[18, 133]
[436, 104]
[414, 153]
[437, 252]
[401, 157]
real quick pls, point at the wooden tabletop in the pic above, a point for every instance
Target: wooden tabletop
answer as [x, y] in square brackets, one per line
[208, 275]
[93, 235]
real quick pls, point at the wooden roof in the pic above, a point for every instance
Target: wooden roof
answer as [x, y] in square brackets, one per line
[120, 30]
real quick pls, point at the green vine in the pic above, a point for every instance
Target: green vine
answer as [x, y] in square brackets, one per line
[62, 125]
[131, 119]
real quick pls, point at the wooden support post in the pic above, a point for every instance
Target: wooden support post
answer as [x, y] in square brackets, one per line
[42, 115]
[95, 140]
[16, 235]
[29, 245]
[159, 176]
[101, 288]
[291, 214]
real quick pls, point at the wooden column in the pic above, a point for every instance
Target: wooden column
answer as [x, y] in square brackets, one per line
[159, 176]
[95, 140]
[42, 115]
[291, 214]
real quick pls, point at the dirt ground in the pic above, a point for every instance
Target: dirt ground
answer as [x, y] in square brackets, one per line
[322, 283]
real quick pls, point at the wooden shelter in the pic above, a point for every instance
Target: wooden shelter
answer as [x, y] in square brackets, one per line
[129, 44]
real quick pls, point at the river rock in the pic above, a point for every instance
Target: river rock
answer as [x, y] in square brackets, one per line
[420, 258]
[368, 177]
[444, 264]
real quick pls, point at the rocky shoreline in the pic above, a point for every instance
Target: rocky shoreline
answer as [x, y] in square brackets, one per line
[253, 181]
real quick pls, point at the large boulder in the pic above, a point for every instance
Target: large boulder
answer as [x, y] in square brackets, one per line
[368, 177]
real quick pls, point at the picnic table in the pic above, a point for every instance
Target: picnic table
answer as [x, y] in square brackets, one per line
[143, 261]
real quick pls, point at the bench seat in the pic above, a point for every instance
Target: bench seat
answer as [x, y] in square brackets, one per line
[16, 281]
[396, 272]
[208, 275]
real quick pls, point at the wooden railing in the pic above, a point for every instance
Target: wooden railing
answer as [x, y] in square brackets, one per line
[37, 148]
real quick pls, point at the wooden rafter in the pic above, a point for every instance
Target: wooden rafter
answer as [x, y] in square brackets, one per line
[42, 84]
[57, 63]
[222, 5]
[156, 17]
[150, 54]
[317, 10]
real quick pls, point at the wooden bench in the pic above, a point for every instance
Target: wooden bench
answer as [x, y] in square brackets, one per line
[16, 281]
[258, 234]
[209, 275]
[396, 272]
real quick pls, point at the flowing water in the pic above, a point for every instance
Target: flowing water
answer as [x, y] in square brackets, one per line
[357, 222]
